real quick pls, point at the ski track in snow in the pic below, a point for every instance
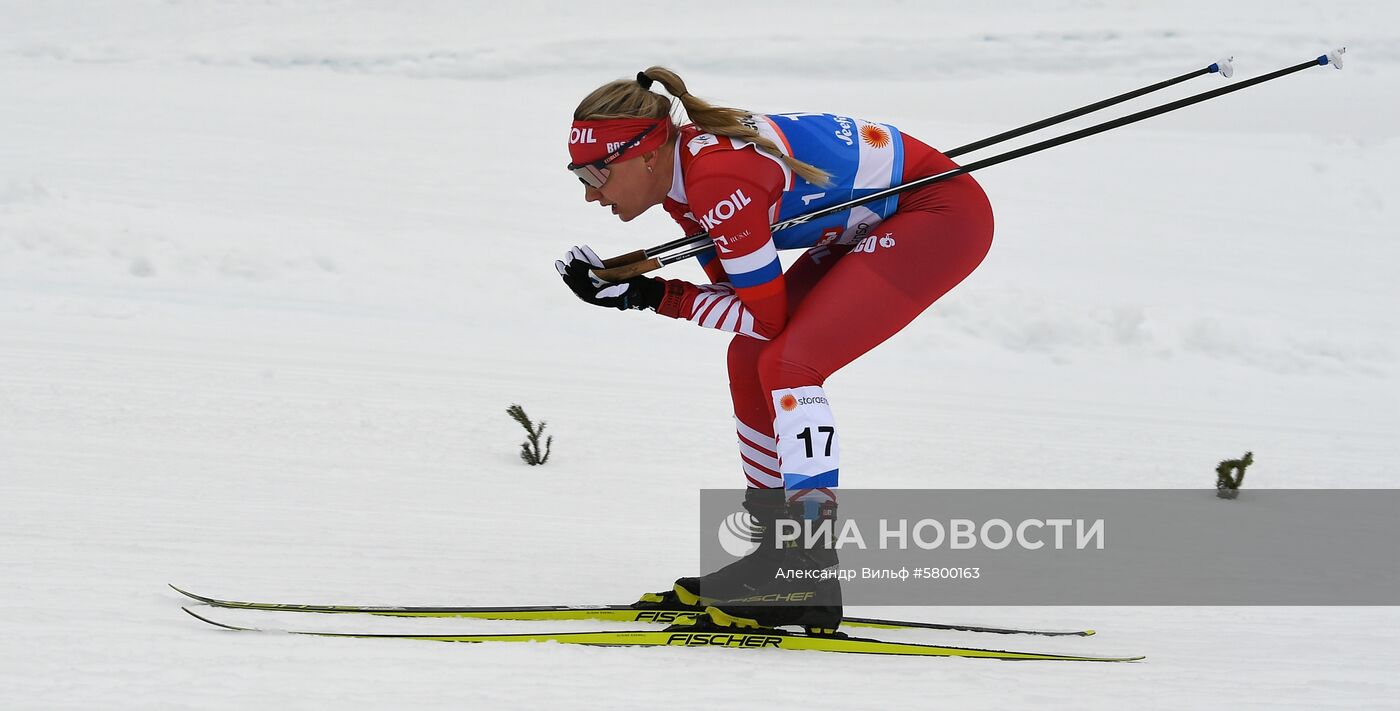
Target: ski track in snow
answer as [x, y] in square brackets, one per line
[270, 275]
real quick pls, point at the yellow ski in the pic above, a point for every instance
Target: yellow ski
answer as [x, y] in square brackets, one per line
[652, 607]
[697, 637]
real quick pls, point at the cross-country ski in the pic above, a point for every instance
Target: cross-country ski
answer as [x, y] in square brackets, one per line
[691, 636]
[653, 608]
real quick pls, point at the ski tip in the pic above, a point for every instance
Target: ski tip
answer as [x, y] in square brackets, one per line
[197, 597]
[1107, 659]
[1090, 633]
[185, 592]
[201, 618]
[192, 596]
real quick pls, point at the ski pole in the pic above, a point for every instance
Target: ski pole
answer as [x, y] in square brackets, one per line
[641, 267]
[1224, 67]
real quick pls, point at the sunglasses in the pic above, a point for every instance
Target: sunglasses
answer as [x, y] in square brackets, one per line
[595, 174]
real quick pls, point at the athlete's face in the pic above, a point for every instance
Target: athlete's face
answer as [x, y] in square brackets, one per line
[633, 185]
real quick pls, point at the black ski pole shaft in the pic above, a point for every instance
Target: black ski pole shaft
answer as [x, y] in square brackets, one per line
[1028, 150]
[1119, 122]
[1223, 66]
[657, 262]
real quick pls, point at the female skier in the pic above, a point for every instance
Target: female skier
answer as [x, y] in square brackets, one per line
[866, 273]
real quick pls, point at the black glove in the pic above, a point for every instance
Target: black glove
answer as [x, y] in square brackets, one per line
[639, 292]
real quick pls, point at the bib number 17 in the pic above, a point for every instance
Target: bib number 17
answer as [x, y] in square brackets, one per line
[806, 436]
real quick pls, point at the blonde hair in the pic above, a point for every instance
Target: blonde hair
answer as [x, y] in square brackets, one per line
[626, 98]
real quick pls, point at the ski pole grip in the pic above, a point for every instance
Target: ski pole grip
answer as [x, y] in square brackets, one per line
[624, 260]
[627, 271]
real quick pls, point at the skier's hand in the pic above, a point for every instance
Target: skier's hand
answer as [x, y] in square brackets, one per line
[636, 293]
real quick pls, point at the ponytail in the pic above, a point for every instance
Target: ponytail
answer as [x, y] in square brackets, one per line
[627, 98]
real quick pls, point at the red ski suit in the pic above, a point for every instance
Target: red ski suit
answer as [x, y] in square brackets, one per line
[835, 302]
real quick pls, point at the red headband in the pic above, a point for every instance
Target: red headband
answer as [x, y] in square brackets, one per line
[591, 141]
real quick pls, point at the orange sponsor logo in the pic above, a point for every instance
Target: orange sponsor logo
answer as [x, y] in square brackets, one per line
[874, 136]
[788, 403]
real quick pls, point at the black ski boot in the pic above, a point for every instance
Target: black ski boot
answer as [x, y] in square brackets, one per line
[765, 506]
[774, 586]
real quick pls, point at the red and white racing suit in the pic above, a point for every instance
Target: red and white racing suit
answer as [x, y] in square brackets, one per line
[833, 304]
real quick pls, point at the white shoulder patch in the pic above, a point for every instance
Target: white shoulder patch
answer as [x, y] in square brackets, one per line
[701, 142]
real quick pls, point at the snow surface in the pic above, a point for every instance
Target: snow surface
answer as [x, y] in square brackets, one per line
[271, 272]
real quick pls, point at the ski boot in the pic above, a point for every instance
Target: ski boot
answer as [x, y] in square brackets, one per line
[766, 506]
[774, 586]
